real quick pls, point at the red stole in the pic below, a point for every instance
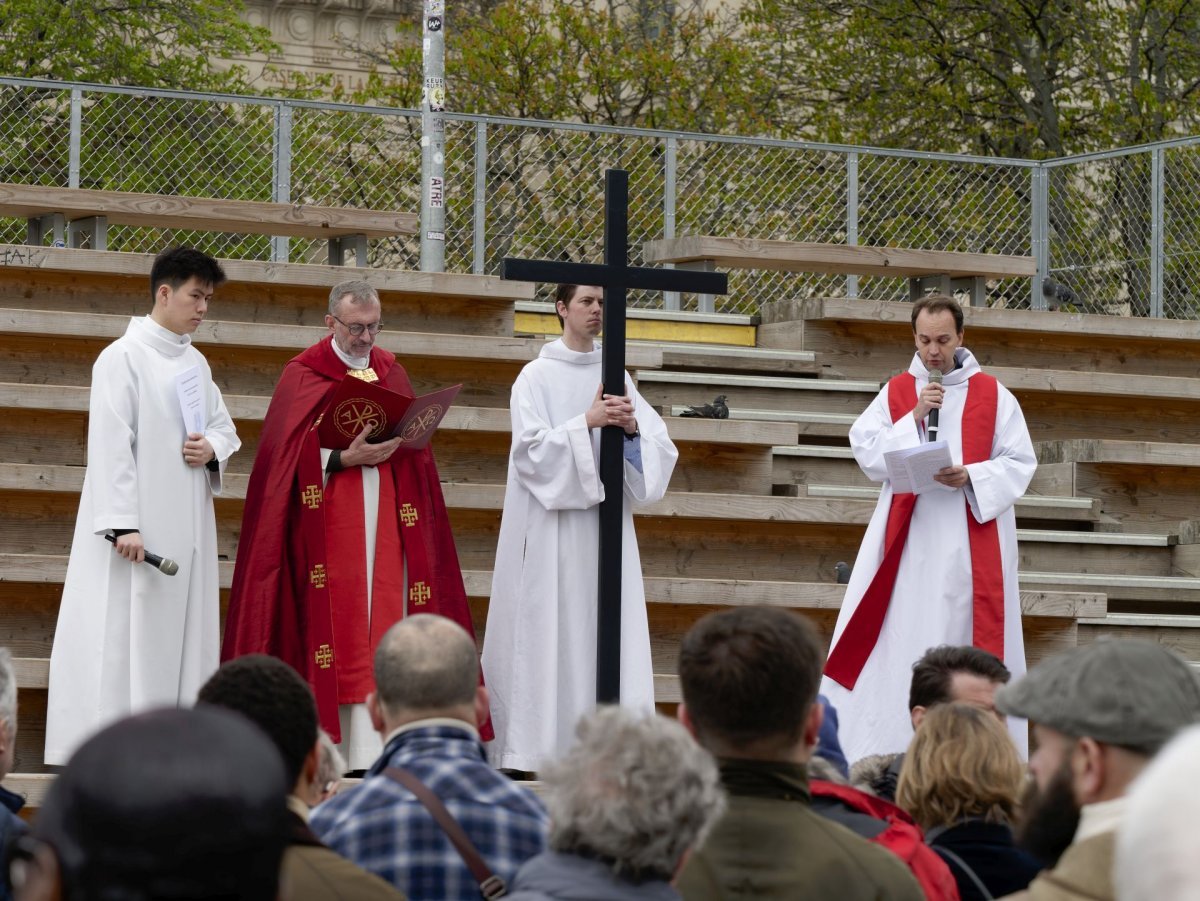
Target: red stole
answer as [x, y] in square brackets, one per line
[858, 640]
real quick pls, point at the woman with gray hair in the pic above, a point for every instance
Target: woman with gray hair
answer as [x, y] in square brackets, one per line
[626, 803]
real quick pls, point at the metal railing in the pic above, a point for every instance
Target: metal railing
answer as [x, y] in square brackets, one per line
[1112, 232]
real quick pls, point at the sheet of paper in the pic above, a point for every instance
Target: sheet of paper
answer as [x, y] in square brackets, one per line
[191, 399]
[912, 469]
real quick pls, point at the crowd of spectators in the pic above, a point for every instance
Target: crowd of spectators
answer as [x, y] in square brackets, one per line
[746, 794]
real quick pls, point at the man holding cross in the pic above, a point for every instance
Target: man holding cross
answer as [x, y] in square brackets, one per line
[539, 654]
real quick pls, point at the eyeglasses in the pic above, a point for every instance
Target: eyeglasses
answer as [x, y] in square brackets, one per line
[358, 328]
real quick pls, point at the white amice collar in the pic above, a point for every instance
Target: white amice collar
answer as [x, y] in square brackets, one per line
[161, 339]
[352, 362]
[557, 350]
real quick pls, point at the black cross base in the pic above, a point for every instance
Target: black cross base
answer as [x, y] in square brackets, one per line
[616, 277]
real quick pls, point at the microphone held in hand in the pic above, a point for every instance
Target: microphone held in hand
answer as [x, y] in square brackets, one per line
[164, 565]
[935, 378]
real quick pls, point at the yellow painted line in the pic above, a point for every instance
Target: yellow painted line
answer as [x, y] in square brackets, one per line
[649, 330]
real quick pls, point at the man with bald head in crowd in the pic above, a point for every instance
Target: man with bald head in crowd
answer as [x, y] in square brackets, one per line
[427, 706]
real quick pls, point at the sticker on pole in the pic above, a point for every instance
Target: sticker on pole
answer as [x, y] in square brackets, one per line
[437, 197]
[434, 23]
[435, 236]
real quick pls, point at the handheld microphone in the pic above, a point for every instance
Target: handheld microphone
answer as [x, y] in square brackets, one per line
[935, 378]
[164, 565]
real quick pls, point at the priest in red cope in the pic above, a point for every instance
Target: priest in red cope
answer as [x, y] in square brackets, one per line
[336, 546]
[941, 567]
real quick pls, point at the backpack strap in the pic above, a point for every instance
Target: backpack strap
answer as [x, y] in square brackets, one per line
[953, 858]
[490, 885]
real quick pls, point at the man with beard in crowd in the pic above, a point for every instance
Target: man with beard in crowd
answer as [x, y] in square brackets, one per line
[1099, 714]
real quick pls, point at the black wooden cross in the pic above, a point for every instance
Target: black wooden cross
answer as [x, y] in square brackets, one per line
[615, 276]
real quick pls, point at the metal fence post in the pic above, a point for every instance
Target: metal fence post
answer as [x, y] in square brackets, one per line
[479, 253]
[852, 215]
[670, 161]
[76, 144]
[281, 190]
[1156, 232]
[433, 139]
[1039, 246]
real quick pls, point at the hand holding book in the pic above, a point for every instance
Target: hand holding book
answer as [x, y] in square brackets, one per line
[357, 406]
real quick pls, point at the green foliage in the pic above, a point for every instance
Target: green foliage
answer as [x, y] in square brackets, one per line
[150, 43]
[623, 63]
[996, 77]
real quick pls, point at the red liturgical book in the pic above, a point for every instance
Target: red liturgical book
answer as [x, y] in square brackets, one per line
[357, 404]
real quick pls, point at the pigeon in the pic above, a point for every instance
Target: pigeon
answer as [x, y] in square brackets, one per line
[1057, 294]
[715, 410]
[842, 569]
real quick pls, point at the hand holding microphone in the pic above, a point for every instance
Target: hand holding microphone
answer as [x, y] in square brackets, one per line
[164, 565]
[929, 401]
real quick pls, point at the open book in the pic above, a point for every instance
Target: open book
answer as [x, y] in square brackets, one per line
[357, 404]
[911, 470]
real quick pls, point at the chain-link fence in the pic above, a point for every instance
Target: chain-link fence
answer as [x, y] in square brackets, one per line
[1112, 233]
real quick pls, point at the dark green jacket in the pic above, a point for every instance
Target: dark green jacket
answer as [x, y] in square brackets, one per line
[770, 844]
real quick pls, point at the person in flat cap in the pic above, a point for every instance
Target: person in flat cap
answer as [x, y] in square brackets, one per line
[1099, 715]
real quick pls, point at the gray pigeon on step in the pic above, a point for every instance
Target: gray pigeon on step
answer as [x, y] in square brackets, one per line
[842, 570]
[715, 410]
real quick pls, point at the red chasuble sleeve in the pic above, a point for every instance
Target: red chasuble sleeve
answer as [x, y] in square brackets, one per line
[279, 602]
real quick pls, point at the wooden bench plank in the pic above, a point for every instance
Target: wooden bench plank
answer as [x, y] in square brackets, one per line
[469, 419]
[1138, 453]
[1084, 326]
[205, 213]
[835, 259]
[52, 568]
[1082, 509]
[227, 333]
[29, 477]
[255, 272]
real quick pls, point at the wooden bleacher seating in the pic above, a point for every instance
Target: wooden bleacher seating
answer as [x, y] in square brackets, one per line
[73, 216]
[945, 271]
[726, 534]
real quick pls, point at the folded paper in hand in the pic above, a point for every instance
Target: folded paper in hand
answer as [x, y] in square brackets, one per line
[357, 404]
[911, 470]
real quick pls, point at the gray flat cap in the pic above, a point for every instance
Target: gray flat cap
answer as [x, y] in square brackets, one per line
[1127, 692]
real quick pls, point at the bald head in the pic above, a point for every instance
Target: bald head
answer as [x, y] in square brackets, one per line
[426, 665]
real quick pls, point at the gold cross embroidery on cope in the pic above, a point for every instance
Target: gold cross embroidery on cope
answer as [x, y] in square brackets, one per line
[324, 656]
[419, 594]
[317, 576]
[311, 496]
[408, 514]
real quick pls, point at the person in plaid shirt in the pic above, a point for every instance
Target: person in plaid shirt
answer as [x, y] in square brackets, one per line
[427, 705]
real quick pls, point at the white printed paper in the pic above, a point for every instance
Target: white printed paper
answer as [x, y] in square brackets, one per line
[191, 399]
[911, 470]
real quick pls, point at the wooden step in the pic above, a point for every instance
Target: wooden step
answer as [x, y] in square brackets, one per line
[1180, 632]
[1120, 588]
[472, 443]
[866, 337]
[697, 505]
[1030, 506]
[70, 281]
[104, 328]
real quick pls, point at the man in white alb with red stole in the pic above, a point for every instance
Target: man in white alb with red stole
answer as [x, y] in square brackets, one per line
[939, 568]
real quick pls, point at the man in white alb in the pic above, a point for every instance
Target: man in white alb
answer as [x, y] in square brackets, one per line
[938, 568]
[130, 637]
[539, 651]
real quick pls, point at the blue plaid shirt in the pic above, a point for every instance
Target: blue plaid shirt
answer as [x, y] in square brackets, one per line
[383, 828]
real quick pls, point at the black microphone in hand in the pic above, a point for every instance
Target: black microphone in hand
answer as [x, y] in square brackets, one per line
[935, 378]
[164, 565]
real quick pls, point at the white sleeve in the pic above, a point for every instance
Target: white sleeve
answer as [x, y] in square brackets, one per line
[658, 454]
[220, 433]
[874, 434]
[112, 436]
[997, 483]
[556, 464]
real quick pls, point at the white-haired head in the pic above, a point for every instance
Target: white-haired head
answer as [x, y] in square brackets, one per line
[1156, 844]
[635, 791]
